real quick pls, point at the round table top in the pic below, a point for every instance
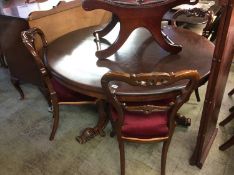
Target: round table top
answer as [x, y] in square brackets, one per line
[72, 59]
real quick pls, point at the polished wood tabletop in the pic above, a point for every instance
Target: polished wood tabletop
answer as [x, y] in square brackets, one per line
[72, 59]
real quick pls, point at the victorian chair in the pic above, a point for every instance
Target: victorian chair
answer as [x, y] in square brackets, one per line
[58, 94]
[146, 118]
[230, 142]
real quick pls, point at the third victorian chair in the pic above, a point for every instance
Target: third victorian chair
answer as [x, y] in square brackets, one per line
[146, 118]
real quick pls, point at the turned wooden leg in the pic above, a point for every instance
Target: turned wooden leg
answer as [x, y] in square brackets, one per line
[122, 157]
[108, 28]
[197, 95]
[124, 33]
[226, 120]
[165, 148]
[164, 156]
[16, 84]
[227, 144]
[90, 133]
[182, 120]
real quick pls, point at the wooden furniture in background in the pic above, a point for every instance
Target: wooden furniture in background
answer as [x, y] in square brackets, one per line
[57, 93]
[150, 119]
[230, 142]
[132, 15]
[221, 62]
[55, 22]
[66, 17]
[207, 30]
[19, 60]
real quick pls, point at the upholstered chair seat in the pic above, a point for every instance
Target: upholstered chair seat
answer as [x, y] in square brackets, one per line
[67, 95]
[143, 126]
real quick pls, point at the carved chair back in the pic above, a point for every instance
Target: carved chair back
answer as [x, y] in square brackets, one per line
[156, 79]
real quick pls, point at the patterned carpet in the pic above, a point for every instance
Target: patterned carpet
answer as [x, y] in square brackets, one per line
[26, 150]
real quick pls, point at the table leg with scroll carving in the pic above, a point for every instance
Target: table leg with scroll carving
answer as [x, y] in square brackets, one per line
[90, 133]
[182, 120]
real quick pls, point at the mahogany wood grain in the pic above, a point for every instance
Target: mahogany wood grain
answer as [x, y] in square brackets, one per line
[221, 62]
[135, 14]
[72, 58]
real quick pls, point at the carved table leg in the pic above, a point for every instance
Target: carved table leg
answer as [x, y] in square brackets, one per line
[108, 28]
[16, 84]
[90, 133]
[182, 120]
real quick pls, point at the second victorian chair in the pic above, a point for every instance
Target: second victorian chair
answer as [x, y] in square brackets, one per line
[146, 118]
[57, 93]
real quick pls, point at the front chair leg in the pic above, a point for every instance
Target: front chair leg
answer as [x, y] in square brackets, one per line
[16, 83]
[122, 157]
[164, 155]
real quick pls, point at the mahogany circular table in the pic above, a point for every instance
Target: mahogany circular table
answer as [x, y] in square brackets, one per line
[71, 59]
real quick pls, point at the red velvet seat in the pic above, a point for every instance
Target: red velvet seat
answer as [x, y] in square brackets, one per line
[67, 95]
[144, 126]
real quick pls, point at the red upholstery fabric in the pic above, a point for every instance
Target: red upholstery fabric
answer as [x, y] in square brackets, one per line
[139, 125]
[66, 95]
